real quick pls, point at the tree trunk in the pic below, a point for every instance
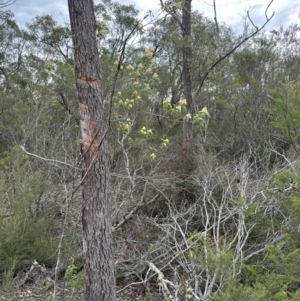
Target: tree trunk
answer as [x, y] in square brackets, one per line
[96, 216]
[188, 129]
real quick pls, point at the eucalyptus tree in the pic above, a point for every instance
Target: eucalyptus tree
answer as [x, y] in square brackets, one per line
[181, 12]
[99, 262]
[54, 40]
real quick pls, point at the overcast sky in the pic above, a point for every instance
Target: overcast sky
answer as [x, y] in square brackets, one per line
[286, 11]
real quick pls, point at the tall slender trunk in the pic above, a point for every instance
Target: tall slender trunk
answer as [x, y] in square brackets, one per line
[97, 235]
[188, 129]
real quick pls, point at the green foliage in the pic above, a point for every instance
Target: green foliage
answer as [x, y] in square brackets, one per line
[24, 234]
[284, 111]
[209, 255]
[277, 271]
[237, 292]
[149, 296]
[283, 273]
[74, 279]
[142, 87]
[7, 284]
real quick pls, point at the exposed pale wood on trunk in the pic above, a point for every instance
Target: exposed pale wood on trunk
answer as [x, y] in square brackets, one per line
[97, 234]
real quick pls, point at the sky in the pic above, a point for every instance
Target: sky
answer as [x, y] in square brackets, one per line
[229, 11]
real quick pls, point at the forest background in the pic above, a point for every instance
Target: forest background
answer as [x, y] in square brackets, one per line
[226, 230]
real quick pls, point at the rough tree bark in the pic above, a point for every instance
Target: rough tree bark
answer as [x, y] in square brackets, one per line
[97, 234]
[187, 55]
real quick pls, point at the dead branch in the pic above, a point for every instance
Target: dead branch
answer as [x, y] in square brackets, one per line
[46, 159]
[134, 210]
[220, 59]
[6, 3]
[64, 103]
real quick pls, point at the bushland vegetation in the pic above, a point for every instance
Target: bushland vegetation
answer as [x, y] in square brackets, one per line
[225, 229]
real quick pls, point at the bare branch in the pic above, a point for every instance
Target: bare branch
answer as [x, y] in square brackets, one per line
[253, 24]
[47, 159]
[134, 210]
[6, 3]
[65, 105]
[257, 30]
[268, 9]
[262, 250]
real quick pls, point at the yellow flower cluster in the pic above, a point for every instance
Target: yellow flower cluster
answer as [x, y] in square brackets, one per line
[130, 67]
[153, 156]
[182, 102]
[188, 117]
[205, 111]
[129, 103]
[165, 142]
[148, 53]
[145, 133]
[125, 126]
